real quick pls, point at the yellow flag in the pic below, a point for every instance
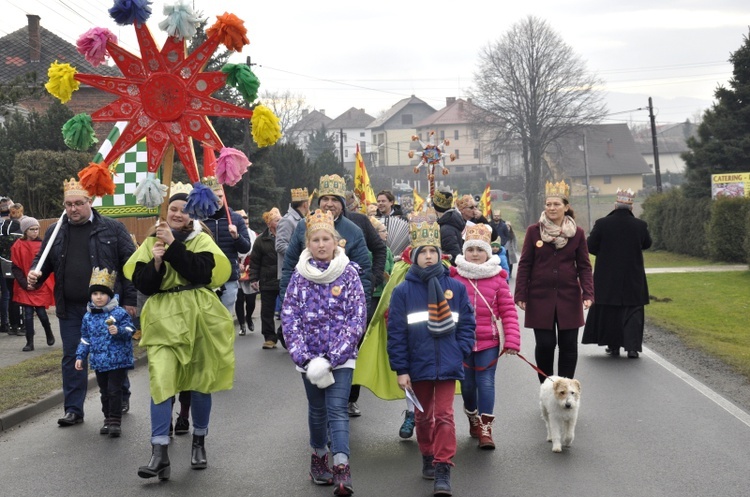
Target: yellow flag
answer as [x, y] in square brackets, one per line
[362, 187]
[485, 203]
[455, 197]
[418, 201]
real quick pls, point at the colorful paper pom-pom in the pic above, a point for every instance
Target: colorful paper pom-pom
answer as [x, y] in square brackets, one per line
[78, 132]
[232, 31]
[265, 126]
[202, 202]
[97, 180]
[230, 166]
[61, 82]
[242, 77]
[93, 45]
[126, 12]
[150, 192]
[181, 21]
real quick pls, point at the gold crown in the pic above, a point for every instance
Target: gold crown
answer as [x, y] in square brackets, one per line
[299, 194]
[211, 182]
[73, 187]
[463, 201]
[320, 220]
[625, 196]
[480, 232]
[102, 277]
[424, 229]
[559, 189]
[180, 187]
[442, 200]
[332, 185]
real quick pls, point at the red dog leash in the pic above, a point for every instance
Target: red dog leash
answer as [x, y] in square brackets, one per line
[494, 361]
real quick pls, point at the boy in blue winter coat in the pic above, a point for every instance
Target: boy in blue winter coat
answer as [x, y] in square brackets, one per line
[430, 333]
[106, 336]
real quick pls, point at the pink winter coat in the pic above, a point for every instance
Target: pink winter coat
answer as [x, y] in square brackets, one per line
[496, 292]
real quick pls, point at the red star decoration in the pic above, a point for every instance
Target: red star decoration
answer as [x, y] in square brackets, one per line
[166, 97]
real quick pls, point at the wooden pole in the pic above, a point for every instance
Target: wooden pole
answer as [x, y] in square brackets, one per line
[167, 167]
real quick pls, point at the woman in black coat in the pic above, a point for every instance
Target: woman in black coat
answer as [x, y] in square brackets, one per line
[263, 271]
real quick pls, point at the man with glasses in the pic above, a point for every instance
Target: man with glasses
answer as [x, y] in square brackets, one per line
[86, 240]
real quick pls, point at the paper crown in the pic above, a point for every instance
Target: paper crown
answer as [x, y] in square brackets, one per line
[559, 189]
[211, 182]
[299, 194]
[625, 196]
[463, 201]
[102, 279]
[480, 232]
[320, 220]
[73, 187]
[332, 185]
[180, 187]
[424, 229]
[442, 200]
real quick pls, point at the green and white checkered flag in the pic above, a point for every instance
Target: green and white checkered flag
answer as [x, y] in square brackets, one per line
[132, 167]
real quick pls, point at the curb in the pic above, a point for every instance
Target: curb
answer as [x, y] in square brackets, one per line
[15, 417]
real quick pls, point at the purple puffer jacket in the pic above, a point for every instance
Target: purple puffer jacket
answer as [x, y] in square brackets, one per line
[324, 320]
[497, 293]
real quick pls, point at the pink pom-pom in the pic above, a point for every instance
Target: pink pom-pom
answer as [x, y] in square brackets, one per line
[93, 45]
[230, 166]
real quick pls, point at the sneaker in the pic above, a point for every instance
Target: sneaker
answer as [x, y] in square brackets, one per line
[319, 470]
[182, 426]
[428, 470]
[342, 480]
[243, 330]
[407, 427]
[269, 344]
[104, 430]
[250, 326]
[125, 406]
[442, 480]
[353, 410]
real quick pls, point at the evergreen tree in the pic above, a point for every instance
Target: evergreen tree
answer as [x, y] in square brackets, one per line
[264, 194]
[320, 142]
[723, 142]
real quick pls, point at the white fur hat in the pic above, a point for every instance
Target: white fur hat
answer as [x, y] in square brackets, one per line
[478, 235]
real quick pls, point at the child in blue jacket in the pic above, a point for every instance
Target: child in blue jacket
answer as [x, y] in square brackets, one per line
[106, 340]
[430, 333]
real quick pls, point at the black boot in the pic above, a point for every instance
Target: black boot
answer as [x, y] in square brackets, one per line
[158, 465]
[29, 343]
[198, 455]
[48, 331]
[5, 328]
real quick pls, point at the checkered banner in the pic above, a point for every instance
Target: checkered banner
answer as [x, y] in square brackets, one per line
[131, 168]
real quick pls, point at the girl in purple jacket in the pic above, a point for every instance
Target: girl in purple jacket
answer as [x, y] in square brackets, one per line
[323, 318]
[496, 329]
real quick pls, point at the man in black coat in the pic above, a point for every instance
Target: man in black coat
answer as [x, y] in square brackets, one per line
[620, 289]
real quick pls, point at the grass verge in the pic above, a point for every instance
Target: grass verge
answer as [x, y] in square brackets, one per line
[660, 258]
[707, 311]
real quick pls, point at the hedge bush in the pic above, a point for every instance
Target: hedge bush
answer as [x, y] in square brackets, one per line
[677, 224]
[728, 229]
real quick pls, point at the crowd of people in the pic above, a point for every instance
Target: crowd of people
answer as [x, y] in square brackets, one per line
[335, 295]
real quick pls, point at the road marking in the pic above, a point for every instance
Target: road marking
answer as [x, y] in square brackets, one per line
[710, 394]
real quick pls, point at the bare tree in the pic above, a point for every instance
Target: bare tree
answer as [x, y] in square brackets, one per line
[288, 107]
[534, 90]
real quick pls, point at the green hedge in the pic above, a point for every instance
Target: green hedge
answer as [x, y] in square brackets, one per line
[727, 232]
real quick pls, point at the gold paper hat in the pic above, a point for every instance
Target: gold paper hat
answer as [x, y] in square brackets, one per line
[320, 220]
[180, 187]
[442, 201]
[103, 281]
[625, 196]
[211, 182]
[424, 229]
[559, 189]
[478, 235]
[332, 185]
[73, 187]
[299, 194]
[463, 201]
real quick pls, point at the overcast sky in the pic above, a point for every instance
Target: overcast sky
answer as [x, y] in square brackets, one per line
[340, 54]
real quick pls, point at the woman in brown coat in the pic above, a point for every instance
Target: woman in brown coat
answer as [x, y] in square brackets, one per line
[554, 282]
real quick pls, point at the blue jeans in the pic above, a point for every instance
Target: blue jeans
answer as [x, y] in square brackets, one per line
[229, 296]
[74, 382]
[478, 387]
[327, 409]
[161, 417]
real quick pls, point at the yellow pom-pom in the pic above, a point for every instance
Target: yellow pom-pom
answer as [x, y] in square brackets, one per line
[265, 126]
[62, 81]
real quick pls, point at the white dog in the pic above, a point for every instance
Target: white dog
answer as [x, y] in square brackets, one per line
[559, 399]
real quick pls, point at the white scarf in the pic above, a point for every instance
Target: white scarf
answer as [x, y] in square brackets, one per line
[473, 271]
[329, 275]
[557, 235]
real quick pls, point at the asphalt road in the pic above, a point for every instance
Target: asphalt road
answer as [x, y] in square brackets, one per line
[644, 429]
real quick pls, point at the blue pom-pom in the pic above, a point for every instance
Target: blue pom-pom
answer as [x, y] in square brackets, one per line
[202, 202]
[126, 12]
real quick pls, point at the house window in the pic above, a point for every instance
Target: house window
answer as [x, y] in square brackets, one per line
[406, 119]
[442, 135]
[459, 169]
[475, 134]
[476, 153]
[455, 134]
[607, 180]
[361, 134]
[346, 153]
[457, 156]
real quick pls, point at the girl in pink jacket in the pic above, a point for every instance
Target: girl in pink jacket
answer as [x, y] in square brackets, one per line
[496, 328]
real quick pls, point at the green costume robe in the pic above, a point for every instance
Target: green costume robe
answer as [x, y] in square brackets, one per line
[188, 334]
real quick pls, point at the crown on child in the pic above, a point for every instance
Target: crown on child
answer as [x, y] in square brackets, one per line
[180, 187]
[299, 194]
[625, 196]
[332, 185]
[480, 232]
[424, 229]
[102, 277]
[211, 182]
[559, 189]
[73, 187]
[320, 220]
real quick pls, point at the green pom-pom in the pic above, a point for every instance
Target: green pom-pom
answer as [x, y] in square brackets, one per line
[242, 77]
[78, 132]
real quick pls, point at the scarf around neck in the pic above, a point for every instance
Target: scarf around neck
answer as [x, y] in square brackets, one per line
[308, 270]
[557, 235]
[439, 316]
[473, 271]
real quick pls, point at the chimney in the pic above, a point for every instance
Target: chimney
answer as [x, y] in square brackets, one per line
[449, 101]
[305, 112]
[322, 111]
[35, 39]
[610, 148]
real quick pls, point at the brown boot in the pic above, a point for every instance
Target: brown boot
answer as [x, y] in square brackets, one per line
[485, 435]
[474, 428]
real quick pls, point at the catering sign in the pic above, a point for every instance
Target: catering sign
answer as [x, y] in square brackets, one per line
[730, 185]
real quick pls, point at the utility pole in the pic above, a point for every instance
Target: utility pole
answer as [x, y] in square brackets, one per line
[341, 146]
[588, 183]
[248, 144]
[657, 172]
